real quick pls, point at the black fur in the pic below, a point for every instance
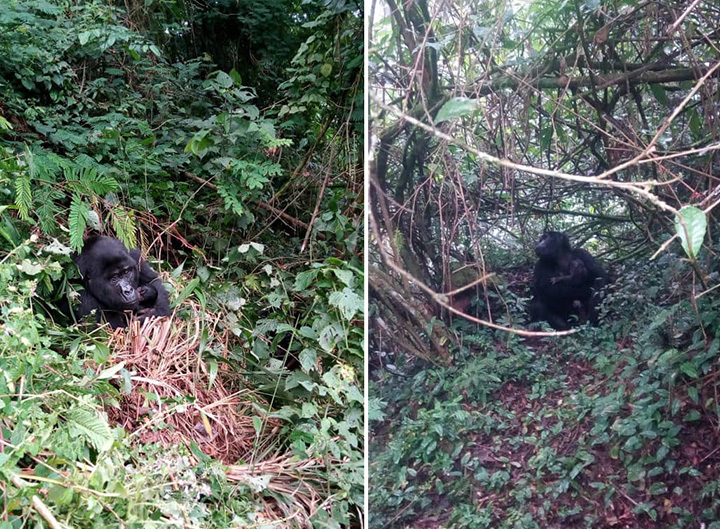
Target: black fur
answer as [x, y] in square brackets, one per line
[118, 283]
[567, 283]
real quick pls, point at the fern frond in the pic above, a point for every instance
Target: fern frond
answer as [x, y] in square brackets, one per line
[88, 179]
[46, 212]
[77, 221]
[230, 198]
[23, 196]
[47, 166]
[90, 426]
[123, 223]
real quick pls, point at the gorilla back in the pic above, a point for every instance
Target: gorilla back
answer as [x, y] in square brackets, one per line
[117, 283]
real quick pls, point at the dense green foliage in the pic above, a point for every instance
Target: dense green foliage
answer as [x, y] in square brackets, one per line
[614, 425]
[233, 158]
[496, 121]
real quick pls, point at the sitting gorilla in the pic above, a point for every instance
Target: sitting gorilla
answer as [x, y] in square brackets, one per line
[118, 282]
[567, 283]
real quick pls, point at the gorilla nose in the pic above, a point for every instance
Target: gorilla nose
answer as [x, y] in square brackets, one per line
[128, 292]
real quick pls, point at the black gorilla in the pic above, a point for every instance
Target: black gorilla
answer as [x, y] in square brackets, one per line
[567, 283]
[118, 282]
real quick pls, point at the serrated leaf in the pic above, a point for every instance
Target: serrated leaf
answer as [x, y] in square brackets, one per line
[456, 108]
[695, 227]
[307, 359]
[57, 248]
[30, 268]
[347, 301]
[257, 483]
[89, 425]
[346, 276]
[304, 279]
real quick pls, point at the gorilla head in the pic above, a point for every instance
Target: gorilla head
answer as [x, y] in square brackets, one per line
[110, 273]
[553, 245]
[147, 294]
[117, 282]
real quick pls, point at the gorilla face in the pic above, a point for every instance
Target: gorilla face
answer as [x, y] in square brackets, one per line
[110, 274]
[147, 294]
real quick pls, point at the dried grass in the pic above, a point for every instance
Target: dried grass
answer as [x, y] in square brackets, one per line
[174, 399]
[298, 488]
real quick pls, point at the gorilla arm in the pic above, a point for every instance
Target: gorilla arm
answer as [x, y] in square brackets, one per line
[155, 300]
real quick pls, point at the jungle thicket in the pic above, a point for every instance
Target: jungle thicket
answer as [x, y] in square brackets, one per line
[225, 139]
[492, 122]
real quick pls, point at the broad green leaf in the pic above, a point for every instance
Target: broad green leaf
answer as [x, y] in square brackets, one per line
[696, 123]
[236, 77]
[257, 424]
[690, 370]
[347, 301]
[304, 279]
[346, 276]
[30, 268]
[659, 93]
[84, 37]
[224, 80]
[695, 222]
[307, 359]
[456, 108]
[111, 371]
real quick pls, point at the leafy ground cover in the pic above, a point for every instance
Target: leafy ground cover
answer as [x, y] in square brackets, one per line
[614, 426]
[239, 174]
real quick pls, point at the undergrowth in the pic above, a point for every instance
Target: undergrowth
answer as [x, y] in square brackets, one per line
[60, 448]
[615, 426]
[238, 175]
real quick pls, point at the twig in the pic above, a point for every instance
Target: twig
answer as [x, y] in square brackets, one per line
[317, 209]
[682, 17]
[40, 507]
[281, 214]
[639, 188]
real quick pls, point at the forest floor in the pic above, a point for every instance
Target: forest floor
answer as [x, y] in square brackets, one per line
[552, 433]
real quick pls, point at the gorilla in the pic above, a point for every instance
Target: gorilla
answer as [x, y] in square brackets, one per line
[118, 283]
[567, 283]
